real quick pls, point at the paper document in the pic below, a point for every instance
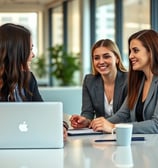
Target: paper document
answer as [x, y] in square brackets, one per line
[83, 131]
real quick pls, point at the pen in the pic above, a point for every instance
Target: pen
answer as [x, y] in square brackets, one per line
[113, 140]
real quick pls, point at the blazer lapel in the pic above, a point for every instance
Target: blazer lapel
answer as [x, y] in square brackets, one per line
[99, 93]
[151, 91]
[117, 90]
[149, 97]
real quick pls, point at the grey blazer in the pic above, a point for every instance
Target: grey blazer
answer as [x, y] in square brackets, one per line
[93, 95]
[150, 112]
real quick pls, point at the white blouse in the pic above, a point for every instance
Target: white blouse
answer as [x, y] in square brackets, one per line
[108, 106]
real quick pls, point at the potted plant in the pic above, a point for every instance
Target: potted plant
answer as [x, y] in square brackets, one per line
[39, 65]
[63, 65]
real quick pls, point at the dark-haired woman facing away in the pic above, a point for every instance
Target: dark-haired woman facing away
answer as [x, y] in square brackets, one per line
[17, 82]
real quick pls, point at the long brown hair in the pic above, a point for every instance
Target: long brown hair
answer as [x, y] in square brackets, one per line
[110, 45]
[14, 53]
[149, 39]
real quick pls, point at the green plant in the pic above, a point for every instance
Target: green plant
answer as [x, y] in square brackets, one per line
[63, 65]
[39, 66]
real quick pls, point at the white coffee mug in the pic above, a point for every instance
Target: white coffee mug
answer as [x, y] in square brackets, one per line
[123, 134]
[122, 157]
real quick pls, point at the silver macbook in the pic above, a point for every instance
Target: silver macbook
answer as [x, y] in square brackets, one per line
[31, 125]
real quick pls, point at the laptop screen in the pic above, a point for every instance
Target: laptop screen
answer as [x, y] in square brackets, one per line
[31, 125]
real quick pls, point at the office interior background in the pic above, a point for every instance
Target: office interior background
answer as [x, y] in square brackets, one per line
[77, 25]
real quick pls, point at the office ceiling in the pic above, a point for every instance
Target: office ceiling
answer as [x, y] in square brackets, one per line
[39, 2]
[27, 5]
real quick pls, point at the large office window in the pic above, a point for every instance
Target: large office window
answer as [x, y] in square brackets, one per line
[32, 21]
[73, 32]
[136, 16]
[28, 20]
[105, 19]
[57, 26]
[73, 26]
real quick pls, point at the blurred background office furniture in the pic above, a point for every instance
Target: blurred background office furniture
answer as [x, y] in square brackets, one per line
[70, 96]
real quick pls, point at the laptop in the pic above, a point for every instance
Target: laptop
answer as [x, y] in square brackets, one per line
[31, 125]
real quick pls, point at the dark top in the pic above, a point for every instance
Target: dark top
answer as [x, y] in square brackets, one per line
[139, 108]
[33, 86]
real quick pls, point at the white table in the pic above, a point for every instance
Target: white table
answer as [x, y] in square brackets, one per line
[83, 152]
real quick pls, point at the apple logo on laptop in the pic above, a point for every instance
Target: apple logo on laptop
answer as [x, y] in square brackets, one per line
[23, 127]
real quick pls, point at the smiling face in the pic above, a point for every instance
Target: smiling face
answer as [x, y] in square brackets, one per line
[139, 56]
[104, 61]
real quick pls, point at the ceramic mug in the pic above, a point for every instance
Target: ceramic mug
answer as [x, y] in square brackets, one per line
[123, 134]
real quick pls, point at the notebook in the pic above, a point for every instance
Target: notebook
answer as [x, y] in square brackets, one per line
[31, 125]
[83, 131]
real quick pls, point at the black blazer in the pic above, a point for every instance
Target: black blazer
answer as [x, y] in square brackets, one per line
[93, 95]
[34, 89]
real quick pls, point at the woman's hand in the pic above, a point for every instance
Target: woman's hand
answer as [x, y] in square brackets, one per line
[101, 124]
[78, 121]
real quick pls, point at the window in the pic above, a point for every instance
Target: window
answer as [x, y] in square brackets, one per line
[57, 19]
[73, 26]
[28, 20]
[136, 17]
[105, 19]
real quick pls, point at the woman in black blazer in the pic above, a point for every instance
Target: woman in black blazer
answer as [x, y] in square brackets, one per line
[17, 82]
[105, 89]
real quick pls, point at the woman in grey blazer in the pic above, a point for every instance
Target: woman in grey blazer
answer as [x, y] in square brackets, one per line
[105, 89]
[141, 105]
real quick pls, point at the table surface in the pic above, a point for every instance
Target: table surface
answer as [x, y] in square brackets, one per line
[84, 152]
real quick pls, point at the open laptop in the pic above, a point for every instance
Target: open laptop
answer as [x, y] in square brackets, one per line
[31, 125]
